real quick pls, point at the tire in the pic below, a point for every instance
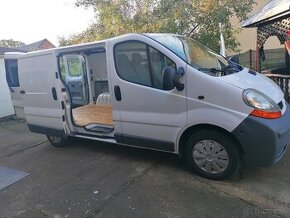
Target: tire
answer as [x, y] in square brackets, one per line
[57, 141]
[213, 155]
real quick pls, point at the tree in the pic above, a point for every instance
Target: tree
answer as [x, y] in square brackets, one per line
[198, 19]
[10, 43]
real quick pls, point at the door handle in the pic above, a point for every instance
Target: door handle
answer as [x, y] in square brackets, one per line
[54, 95]
[117, 92]
[22, 92]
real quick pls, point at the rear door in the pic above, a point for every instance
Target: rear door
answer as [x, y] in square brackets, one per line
[40, 89]
[12, 77]
[76, 79]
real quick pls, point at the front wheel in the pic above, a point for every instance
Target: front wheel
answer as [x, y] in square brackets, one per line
[57, 141]
[212, 155]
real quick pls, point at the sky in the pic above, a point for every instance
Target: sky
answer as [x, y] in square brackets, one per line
[33, 20]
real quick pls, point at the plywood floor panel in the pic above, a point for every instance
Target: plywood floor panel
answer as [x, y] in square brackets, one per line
[99, 114]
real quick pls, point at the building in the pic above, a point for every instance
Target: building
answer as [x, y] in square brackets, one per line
[40, 45]
[273, 20]
[248, 36]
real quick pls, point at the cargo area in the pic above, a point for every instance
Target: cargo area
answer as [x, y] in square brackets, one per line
[86, 79]
[93, 113]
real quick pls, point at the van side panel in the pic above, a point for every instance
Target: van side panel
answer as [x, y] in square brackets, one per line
[42, 105]
[214, 102]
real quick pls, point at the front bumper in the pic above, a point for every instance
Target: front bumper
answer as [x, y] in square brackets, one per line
[264, 141]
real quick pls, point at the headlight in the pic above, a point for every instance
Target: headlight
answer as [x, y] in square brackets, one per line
[263, 106]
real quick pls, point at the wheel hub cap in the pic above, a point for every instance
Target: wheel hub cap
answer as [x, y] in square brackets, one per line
[210, 156]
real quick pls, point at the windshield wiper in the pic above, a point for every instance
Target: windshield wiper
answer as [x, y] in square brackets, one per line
[230, 68]
[224, 71]
[234, 66]
[213, 70]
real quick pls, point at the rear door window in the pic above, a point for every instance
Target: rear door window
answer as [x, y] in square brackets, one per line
[74, 67]
[11, 67]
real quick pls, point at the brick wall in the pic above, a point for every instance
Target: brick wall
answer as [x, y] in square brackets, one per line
[46, 45]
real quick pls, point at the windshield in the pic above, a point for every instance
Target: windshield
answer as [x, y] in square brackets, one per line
[197, 55]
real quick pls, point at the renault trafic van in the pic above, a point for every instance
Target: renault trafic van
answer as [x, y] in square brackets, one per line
[158, 91]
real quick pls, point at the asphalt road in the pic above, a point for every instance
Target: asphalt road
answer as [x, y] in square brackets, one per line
[92, 179]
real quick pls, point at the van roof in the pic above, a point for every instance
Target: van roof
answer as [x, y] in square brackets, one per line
[13, 55]
[5, 49]
[83, 46]
[63, 49]
[70, 48]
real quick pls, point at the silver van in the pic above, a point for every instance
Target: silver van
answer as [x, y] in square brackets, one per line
[158, 91]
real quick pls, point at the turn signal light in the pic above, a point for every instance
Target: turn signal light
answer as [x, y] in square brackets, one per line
[266, 114]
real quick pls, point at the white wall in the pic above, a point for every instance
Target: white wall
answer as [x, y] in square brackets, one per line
[6, 107]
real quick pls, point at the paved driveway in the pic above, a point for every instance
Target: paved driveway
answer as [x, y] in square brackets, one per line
[89, 179]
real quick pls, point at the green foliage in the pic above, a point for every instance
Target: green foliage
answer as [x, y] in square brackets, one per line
[89, 35]
[10, 43]
[198, 19]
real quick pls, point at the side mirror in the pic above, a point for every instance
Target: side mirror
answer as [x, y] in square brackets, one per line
[171, 78]
[176, 80]
[167, 78]
[235, 59]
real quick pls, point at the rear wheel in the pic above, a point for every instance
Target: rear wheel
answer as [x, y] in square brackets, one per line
[57, 141]
[212, 155]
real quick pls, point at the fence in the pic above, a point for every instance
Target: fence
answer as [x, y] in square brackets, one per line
[283, 82]
[274, 59]
[275, 62]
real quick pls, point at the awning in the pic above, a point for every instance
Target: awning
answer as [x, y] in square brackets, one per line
[274, 10]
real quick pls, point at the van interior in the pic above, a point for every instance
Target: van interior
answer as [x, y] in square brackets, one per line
[86, 78]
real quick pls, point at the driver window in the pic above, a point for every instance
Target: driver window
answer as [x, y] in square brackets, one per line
[140, 63]
[132, 63]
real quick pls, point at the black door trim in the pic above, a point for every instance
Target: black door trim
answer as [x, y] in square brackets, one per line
[144, 142]
[46, 130]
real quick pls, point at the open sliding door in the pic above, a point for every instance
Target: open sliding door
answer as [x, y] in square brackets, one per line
[40, 88]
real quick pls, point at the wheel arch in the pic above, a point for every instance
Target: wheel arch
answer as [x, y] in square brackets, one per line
[195, 128]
